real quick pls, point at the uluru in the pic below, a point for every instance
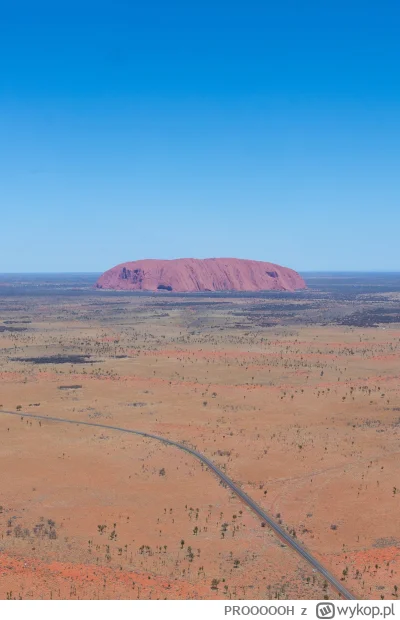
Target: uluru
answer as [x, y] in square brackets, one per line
[188, 275]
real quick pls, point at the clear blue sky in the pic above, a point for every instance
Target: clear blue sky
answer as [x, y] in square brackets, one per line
[264, 130]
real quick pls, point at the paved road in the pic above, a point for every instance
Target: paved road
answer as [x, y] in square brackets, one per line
[283, 535]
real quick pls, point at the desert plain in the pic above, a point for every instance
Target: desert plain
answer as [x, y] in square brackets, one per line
[295, 396]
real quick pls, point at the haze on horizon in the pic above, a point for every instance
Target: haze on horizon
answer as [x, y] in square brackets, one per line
[163, 131]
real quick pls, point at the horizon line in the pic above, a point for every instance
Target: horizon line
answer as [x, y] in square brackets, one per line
[300, 271]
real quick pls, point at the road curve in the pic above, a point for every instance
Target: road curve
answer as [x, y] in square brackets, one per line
[283, 535]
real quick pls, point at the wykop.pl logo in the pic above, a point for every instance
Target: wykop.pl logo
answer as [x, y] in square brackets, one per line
[325, 611]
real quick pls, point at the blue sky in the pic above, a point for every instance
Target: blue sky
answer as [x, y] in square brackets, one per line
[264, 130]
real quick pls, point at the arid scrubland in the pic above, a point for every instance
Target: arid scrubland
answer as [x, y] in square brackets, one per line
[297, 398]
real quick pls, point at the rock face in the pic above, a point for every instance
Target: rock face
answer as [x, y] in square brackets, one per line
[186, 275]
